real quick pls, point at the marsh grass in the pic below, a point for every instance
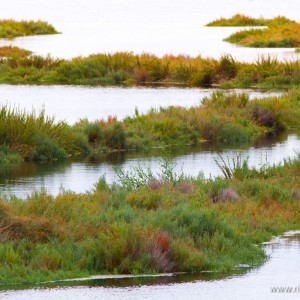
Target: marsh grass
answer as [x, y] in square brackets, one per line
[32, 135]
[285, 36]
[11, 51]
[280, 32]
[239, 20]
[222, 117]
[231, 168]
[8, 157]
[142, 176]
[128, 69]
[190, 225]
[10, 28]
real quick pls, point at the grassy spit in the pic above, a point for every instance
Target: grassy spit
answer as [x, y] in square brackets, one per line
[223, 117]
[11, 51]
[149, 225]
[10, 28]
[239, 20]
[280, 32]
[127, 69]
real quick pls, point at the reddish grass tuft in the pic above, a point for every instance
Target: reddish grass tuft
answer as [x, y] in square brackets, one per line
[228, 195]
[263, 117]
[223, 196]
[110, 120]
[160, 253]
[186, 187]
[154, 184]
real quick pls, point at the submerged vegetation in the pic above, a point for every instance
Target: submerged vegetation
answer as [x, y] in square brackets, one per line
[125, 68]
[222, 117]
[149, 224]
[11, 28]
[280, 32]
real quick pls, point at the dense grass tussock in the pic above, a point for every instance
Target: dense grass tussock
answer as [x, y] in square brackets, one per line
[243, 20]
[125, 68]
[7, 156]
[222, 117]
[166, 223]
[10, 28]
[35, 136]
[280, 32]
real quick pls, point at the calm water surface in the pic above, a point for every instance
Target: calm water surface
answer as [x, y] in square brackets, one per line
[281, 270]
[70, 103]
[159, 27]
[22, 180]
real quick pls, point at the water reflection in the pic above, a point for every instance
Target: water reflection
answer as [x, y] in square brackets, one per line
[119, 282]
[80, 176]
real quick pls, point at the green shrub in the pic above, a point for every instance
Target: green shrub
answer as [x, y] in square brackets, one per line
[9, 157]
[114, 136]
[94, 133]
[47, 150]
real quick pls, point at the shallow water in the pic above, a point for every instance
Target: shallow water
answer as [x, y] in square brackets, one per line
[159, 27]
[81, 176]
[70, 103]
[281, 270]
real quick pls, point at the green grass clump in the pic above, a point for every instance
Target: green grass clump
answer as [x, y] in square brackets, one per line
[8, 157]
[280, 32]
[243, 20]
[166, 223]
[35, 136]
[11, 28]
